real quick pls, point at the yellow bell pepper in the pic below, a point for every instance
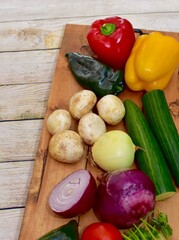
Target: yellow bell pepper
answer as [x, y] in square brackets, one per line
[152, 62]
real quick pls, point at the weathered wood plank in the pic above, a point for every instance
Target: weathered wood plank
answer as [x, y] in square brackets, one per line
[27, 67]
[10, 222]
[19, 140]
[41, 34]
[48, 33]
[15, 178]
[23, 10]
[30, 103]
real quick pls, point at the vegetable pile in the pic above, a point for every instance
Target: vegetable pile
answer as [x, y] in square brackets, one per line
[68, 146]
[139, 164]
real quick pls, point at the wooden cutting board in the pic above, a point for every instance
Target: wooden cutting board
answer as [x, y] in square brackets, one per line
[38, 218]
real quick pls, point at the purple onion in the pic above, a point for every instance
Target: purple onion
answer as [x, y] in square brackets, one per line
[124, 197]
[74, 195]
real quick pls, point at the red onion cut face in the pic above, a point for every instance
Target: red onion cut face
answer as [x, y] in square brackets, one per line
[74, 195]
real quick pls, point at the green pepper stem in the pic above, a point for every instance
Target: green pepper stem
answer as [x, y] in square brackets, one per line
[108, 28]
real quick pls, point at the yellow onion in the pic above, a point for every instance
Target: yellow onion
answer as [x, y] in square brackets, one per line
[114, 150]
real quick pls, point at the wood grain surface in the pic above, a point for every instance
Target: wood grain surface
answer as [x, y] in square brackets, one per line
[48, 172]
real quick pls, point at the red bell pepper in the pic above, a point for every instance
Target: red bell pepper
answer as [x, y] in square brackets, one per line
[111, 40]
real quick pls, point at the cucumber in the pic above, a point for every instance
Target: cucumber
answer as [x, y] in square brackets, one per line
[148, 157]
[67, 231]
[162, 124]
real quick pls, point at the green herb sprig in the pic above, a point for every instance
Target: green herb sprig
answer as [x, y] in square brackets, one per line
[151, 228]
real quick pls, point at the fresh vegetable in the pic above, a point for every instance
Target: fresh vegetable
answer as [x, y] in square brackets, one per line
[101, 231]
[66, 146]
[74, 195]
[92, 74]
[68, 231]
[58, 120]
[152, 62]
[156, 227]
[111, 109]
[81, 103]
[111, 39]
[114, 150]
[164, 129]
[149, 157]
[90, 127]
[123, 197]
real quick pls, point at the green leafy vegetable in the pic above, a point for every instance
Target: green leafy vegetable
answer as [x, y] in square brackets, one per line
[151, 228]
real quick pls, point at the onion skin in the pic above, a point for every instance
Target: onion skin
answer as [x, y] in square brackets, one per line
[114, 150]
[85, 201]
[124, 197]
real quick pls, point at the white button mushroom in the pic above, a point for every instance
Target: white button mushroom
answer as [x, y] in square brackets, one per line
[58, 120]
[66, 146]
[81, 103]
[91, 126]
[111, 109]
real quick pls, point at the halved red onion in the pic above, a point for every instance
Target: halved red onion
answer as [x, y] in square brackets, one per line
[124, 197]
[74, 195]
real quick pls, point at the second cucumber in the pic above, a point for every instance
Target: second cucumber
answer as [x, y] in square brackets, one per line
[149, 157]
[161, 122]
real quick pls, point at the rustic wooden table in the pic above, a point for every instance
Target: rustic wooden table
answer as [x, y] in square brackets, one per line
[30, 40]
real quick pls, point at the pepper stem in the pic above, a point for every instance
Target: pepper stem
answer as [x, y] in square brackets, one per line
[108, 28]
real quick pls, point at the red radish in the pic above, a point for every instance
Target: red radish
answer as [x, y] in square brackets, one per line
[74, 195]
[124, 197]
